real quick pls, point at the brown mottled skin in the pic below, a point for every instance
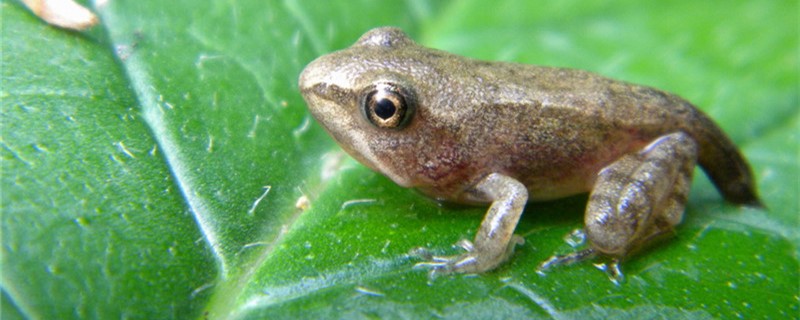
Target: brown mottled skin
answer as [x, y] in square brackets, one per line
[502, 133]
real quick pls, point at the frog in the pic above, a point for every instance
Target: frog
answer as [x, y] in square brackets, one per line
[502, 134]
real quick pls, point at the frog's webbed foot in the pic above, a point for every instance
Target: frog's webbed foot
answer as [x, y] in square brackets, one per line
[635, 201]
[576, 238]
[495, 239]
[567, 259]
[471, 261]
[611, 268]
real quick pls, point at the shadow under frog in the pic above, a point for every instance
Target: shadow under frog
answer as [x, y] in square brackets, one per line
[476, 132]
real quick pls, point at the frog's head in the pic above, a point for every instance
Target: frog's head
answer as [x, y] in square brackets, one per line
[366, 98]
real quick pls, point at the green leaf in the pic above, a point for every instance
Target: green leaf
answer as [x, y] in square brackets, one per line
[163, 165]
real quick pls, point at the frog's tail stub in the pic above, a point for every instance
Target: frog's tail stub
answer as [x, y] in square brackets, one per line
[724, 164]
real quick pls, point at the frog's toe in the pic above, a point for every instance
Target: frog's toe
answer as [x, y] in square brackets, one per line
[609, 265]
[443, 265]
[472, 261]
[567, 259]
[465, 244]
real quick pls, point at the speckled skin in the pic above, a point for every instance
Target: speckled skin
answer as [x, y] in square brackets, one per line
[503, 133]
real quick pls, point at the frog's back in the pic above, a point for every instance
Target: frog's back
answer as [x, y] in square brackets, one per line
[602, 119]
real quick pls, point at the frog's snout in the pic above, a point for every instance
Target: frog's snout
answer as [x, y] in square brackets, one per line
[315, 73]
[304, 82]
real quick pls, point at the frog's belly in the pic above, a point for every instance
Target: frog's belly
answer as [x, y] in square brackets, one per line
[547, 175]
[539, 189]
[544, 190]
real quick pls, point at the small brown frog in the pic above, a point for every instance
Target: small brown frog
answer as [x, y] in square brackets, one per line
[477, 132]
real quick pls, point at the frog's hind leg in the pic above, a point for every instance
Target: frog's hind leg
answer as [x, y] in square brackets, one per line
[641, 196]
[637, 199]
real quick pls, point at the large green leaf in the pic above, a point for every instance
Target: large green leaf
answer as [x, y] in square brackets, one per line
[157, 165]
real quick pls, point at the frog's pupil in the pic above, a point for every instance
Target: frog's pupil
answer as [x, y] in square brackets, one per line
[385, 108]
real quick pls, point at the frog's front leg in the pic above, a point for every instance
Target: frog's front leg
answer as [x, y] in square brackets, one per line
[495, 239]
[637, 199]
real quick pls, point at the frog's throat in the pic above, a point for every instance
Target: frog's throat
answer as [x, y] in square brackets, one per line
[357, 146]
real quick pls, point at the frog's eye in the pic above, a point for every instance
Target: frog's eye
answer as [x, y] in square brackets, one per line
[387, 105]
